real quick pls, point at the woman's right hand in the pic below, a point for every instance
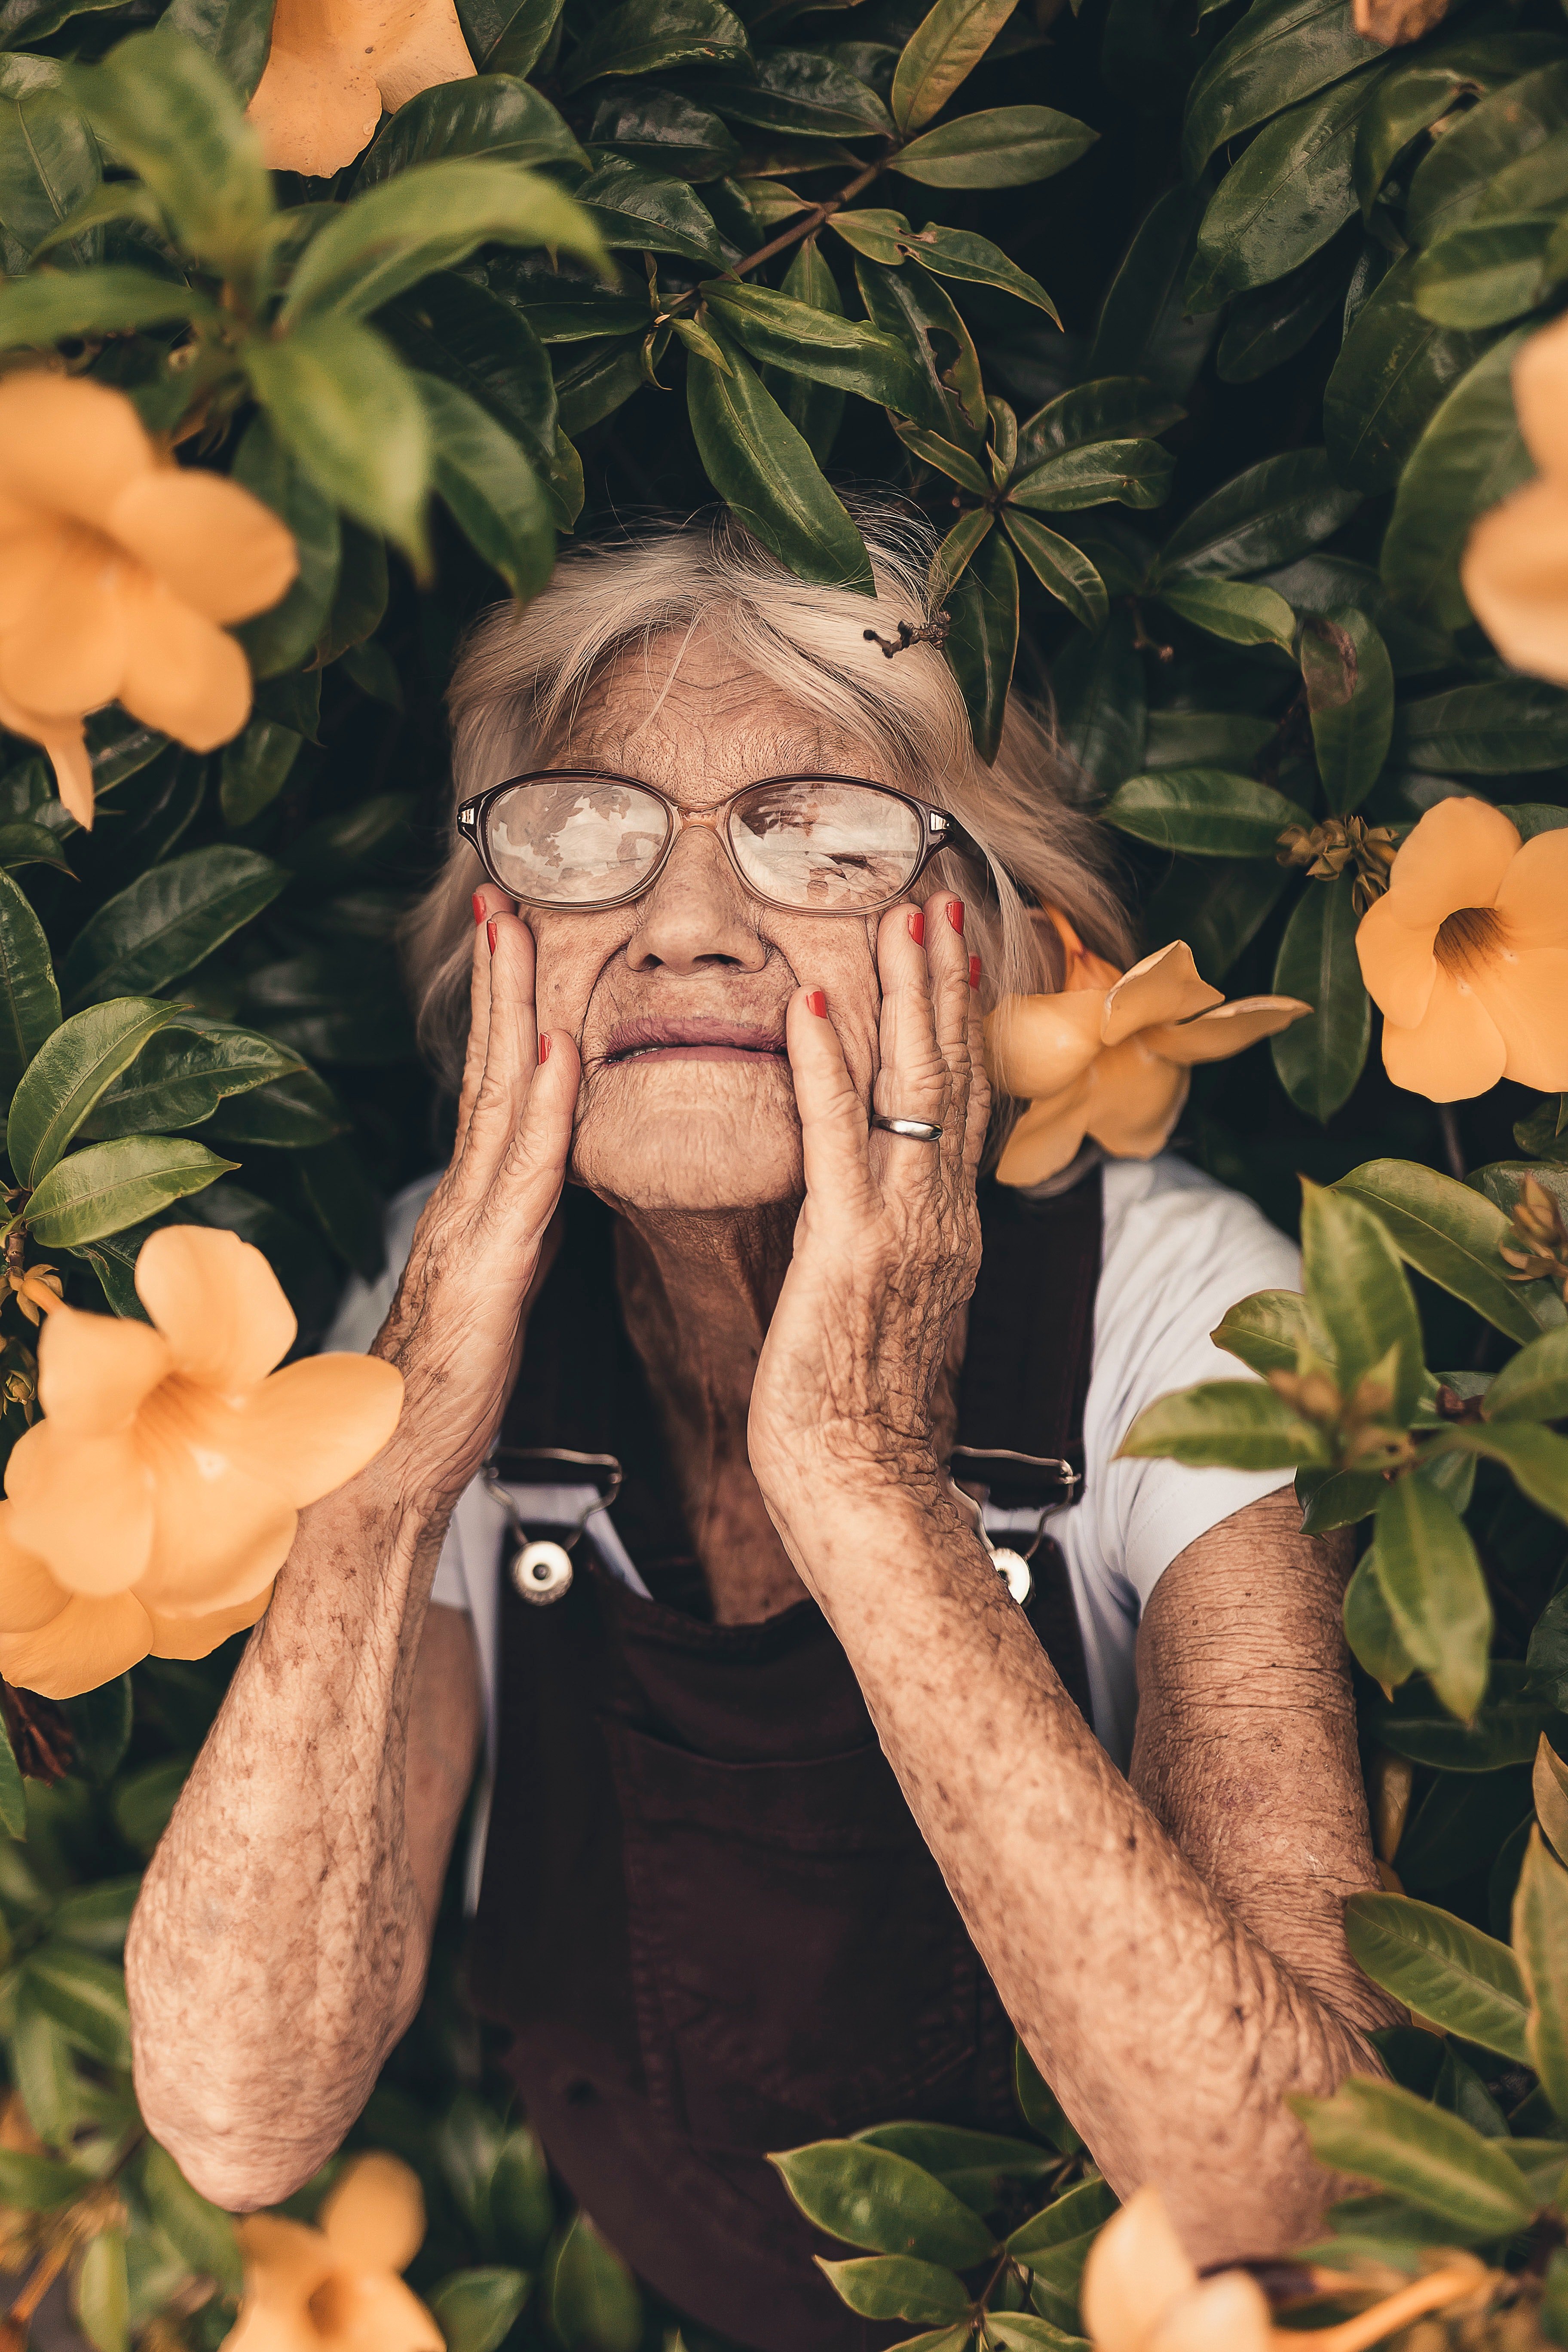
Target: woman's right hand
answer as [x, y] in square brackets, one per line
[481, 1247]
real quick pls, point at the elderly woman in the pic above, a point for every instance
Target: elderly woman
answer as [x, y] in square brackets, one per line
[798, 1806]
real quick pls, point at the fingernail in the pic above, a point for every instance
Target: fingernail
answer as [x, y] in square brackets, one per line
[816, 1003]
[544, 1047]
[975, 971]
[917, 923]
[491, 934]
[955, 913]
[479, 909]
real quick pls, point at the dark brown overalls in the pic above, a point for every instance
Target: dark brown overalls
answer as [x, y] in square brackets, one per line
[707, 1916]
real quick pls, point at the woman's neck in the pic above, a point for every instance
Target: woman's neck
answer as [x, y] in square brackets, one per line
[698, 1293]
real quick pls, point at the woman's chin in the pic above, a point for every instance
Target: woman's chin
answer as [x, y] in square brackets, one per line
[675, 1134]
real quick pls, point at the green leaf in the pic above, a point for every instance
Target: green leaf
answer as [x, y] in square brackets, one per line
[1508, 725]
[803, 90]
[1134, 473]
[71, 1070]
[29, 1000]
[166, 107]
[283, 638]
[816, 409]
[983, 642]
[13, 1800]
[1443, 1968]
[872, 2198]
[1425, 88]
[1451, 176]
[1236, 610]
[763, 469]
[1393, 369]
[85, 1996]
[1006, 147]
[352, 418]
[25, 844]
[942, 52]
[1436, 1595]
[1483, 273]
[182, 1076]
[201, 2233]
[1039, 2105]
[629, 206]
[109, 1186]
[1274, 511]
[1541, 1946]
[593, 2299]
[1532, 1385]
[236, 34]
[1281, 52]
[879, 234]
[650, 36]
[1290, 194]
[811, 341]
[910, 306]
[473, 2309]
[453, 329]
[44, 2069]
[524, 38]
[38, 311]
[1202, 813]
[1469, 457]
[431, 216]
[1060, 567]
[976, 2166]
[1240, 1423]
[1144, 328]
[292, 1113]
[48, 157]
[1268, 1331]
[36, 2184]
[1111, 409]
[495, 115]
[1358, 1296]
[163, 924]
[254, 768]
[1070, 2221]
[1098, 683]
[1378, 2132]
[974, 261]
[897, 2286]
[1320, 1058]
[1452, 1235]
[101, 2293]
[490, 487]
[1369, 1621]
[1536, 1458]
[1272, 323]
[98, 1919]
[1350, 694]
[1506, 1730]
[142, 1801]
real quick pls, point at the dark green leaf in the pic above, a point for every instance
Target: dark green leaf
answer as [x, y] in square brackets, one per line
[1506, 725]
[803, 91]
[200, 2232]
[29, 1000]
[1070, 2221]
[1237, 610]
[976, 2166]
[1111, 409]
[1098, 683]
[254, 768]
[941, 53]
[909, 306]
[524, 38]
[1241, 1422]
[1541, 1943]
[36, 2184]
[1452, 1235]
[453, 329]
[983, 642]
[1483, 273]
[344, 1204]
[31, 845]
[1266, 1330]
[237, 34]
[352, 419]
[1269, 326]
[1536, 1458]
[163, 924]
[1469, 457]
[1059, 566]
[290, 1113]
[1506, 1730]
[594, 2306]
[631, 206]
[1350, 694]
[1038, 2103]
[283, 638]
[1202, 813]
[1375, 2131]
[85, 1996]
[872, 2198]
[1281, 52]
[495, 115]
[813, 408]
[1217, 905]
[1448, 181]
[958, 253]
[181, 1077]
[1320, 1058]
[1435, 1592]
[1006, 147]
[1394, 369]
[1290, 194]
[48, 157]
[1205, 738]
[1532, 1385]
[13, 1800]
[1359, 1297]
[897, 2286]
[1272, 512]
[36, 311]
[473, 2309]
[665, 131]
[71, 1070]
[763, 469]
[814, 342]
[1133, 473]
[1144, 328]
[649, 35]
[44, 2065]
[1423, 88]
[109, 1186]
[143, 1799]
[490, 487]
[1369, 1622]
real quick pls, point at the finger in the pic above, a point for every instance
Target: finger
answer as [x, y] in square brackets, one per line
[912, 1080]
[947, 960]
[510, 1047]
[535, 1169]
[978, 1106]
[832, 1116]
[478, 1018]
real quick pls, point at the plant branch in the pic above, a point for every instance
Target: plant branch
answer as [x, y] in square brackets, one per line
[810, 222]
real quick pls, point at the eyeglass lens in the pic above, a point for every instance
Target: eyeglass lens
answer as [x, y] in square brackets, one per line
[826, 846]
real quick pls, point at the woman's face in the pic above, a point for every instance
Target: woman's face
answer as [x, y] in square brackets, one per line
[676, 999]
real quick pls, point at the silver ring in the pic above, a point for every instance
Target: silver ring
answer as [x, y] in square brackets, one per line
[916, 1130]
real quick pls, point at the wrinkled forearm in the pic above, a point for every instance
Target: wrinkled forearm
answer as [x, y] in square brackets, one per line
[279, 1944]
[1171, 2032]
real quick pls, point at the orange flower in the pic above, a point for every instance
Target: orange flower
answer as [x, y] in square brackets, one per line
[116, 568]
[1394, 22]
[1515, 567]
[153, 1506]
[1467, 954]
[333, 67]
[335, 2288]
[1140, 2292]
[1109, 1055]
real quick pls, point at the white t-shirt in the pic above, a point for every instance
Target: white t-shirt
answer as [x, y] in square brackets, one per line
[1179, 1249]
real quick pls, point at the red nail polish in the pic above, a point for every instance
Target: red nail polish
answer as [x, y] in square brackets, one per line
[544, 1048]
[816, 1003]
[491, 934]
[478, 908]
[918, 928]
[955, 913]
[975, 971]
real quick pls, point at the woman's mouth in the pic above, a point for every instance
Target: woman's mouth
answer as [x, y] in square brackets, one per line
[693, 1041]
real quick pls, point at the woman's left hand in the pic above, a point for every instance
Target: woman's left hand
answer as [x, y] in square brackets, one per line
[888, 1243]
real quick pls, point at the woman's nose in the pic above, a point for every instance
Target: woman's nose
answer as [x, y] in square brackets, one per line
[697, 913]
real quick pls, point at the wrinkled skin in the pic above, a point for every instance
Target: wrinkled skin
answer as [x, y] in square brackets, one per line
[1169, 1947]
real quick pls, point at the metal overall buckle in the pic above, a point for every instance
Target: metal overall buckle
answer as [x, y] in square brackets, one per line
[542, 1568]
[1011, 1565]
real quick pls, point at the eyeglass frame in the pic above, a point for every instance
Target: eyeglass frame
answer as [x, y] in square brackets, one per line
[939, 830]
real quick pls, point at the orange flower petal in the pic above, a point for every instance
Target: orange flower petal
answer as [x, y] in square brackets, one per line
[221, 1531]
[355, 2313]
[315, 1425]
[215, 545]
[198, 1637]
[1533, 894]
[421, 45]
[285, 2262]
[1135, 1099]
[30, 1596]
[1229, 2314]
[83, 1504]
[92, 1640]
[318, 103]
[1228, 1029]
[1137, 2269]
[182, 675]
[66, 744]
[1541, 398]
[1455, 1051]
[1165, 986]
[1396, 961]
[94, 1371]
[1035, 1046]
[218, 1303]
[1515, 574]
[66, 654]
[374, 2217]
[68, 443]
[1048, 1137]
[1527, 996]
[1456, 856]
[33, 555]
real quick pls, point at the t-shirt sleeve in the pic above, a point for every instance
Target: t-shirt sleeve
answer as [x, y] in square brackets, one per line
[1180, 1250]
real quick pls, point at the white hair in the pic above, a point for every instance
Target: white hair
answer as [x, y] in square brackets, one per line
[522, 676]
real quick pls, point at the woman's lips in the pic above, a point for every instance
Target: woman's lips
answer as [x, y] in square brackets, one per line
[693, 1041]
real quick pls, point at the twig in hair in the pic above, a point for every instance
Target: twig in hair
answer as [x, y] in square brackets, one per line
[933, 632]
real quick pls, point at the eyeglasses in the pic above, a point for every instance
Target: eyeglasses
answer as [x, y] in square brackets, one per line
[818, 845]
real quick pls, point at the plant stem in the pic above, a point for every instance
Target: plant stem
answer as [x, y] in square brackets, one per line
[809, 222]
[1448, 1121]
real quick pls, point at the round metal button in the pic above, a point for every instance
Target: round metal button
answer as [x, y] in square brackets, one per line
[1015, 1569]
[543, 1571]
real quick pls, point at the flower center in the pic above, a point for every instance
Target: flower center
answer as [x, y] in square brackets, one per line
[1472, 936]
